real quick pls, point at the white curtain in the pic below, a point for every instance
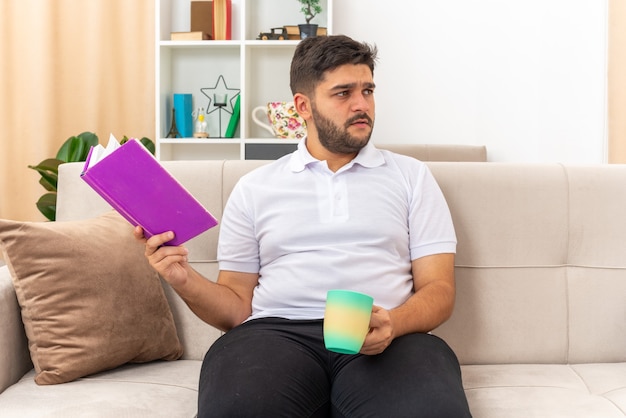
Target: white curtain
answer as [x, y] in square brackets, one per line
[69, 66]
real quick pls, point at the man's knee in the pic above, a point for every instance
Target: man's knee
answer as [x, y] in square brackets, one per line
[418, 375]
[256, 372]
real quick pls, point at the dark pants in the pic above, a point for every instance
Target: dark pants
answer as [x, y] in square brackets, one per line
[273, 367]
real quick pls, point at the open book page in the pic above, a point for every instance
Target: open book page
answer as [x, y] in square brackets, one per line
[99, 152]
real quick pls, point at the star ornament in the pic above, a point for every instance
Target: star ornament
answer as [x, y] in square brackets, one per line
[220, 89]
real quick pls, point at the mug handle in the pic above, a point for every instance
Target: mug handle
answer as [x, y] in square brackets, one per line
[259, 122]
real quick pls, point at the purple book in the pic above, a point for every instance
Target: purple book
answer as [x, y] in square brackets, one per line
[135, 184]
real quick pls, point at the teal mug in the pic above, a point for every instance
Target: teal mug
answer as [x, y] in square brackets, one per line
[346, 320]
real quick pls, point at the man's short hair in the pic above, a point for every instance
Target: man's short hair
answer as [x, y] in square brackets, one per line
[316, 55]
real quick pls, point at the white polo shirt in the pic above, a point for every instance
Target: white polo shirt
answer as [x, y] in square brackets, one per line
[306, 230]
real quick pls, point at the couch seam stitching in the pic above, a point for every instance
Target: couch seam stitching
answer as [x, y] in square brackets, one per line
[136, 382]
[523, 386]
[567, 259]
[529, 266]
[600, 395]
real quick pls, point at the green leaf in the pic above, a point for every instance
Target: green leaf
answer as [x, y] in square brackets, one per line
[48, 184]
[147, 142]
[49, 171]
[47, 205]
[76, 148]
[49, 164]
[66, 149]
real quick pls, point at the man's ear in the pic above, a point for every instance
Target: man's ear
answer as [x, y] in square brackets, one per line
[303, 105]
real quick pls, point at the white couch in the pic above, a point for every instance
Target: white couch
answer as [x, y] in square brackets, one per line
[540, 320]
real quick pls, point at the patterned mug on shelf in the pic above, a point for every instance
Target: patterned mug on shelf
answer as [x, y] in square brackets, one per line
[284, 121]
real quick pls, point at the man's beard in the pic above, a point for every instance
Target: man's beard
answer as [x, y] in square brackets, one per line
[338, 140]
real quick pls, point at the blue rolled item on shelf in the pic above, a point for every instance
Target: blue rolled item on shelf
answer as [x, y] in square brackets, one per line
[183, 104]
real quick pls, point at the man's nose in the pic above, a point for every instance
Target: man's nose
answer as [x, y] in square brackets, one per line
[361, 102]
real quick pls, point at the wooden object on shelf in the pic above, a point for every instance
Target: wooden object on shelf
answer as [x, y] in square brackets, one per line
[190, 36]
[202, 17]
[222, 20]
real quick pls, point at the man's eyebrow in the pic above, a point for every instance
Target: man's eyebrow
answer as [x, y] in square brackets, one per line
[349, 86]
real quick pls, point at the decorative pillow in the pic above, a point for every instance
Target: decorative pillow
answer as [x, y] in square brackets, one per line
[90, 301]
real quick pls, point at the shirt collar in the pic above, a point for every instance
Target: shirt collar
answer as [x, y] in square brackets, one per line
[301, 157]
[368, 157]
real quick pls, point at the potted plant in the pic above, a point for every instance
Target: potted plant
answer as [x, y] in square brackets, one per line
[310, 9]
[75, 148]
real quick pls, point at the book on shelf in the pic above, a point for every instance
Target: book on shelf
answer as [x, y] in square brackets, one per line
[202, 17]
[135, 184]
[222, 24]
[234, 119]
[190, 36]
[293, 32]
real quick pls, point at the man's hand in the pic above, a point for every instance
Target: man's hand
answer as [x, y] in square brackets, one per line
[170, 262]
[380, 334]
[426, 309]
[224, 304]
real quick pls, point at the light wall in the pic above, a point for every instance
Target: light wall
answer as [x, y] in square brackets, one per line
[525, 78]
[617, 82]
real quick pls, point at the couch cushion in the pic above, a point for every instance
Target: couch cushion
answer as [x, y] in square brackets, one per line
[159, 389]
[89, 299]
[544, 390]
[540, 263]
[203, 179]
[439, 152]
[15, 359]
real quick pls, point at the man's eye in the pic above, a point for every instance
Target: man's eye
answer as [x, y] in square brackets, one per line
[342, 93]
[368, 92]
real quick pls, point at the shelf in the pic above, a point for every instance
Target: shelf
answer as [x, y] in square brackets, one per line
[259, 69]
[271, 44]
[209, 141]
[200, 141]
[270, 141]
[217, 44]
[199, 44]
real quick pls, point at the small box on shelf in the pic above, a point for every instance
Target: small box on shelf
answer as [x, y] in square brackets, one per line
[190, 36]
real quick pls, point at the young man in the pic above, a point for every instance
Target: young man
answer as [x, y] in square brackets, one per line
[335, 214]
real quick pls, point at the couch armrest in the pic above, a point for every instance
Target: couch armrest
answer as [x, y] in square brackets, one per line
[14, 355]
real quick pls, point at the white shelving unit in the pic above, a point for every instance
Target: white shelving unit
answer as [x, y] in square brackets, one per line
[259, 69]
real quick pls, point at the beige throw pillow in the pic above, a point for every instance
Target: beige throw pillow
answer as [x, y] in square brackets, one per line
[90, 301]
